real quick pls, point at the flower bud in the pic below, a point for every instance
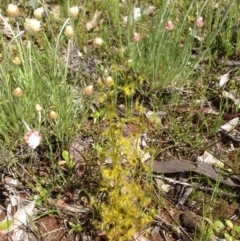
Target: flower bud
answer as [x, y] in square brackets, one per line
[229, 223]
[17, 61]
[69, 31]
[38, 107]
[169, 25]
[99, 82]
[38, 13]
[53, 115]
[12, 11]
[200, 22]
[32, 26]
[88, 89]
[18, 92]
[136, 37]
[108, 81]
[129, 63]
[97, 42]
[73, 12]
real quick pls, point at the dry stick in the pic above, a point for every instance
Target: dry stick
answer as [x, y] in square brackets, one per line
[171, 180]
[163, 234]
[160, 224]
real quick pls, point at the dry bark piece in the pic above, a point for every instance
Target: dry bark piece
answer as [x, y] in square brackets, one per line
[215, 173]
[228, 62]
[79, 147]
[230, 131]
[74, 208]
[191, 222]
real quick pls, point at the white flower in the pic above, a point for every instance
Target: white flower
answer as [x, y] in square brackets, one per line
[73, 12]
[32, 26]
[38, 13]
[13, 10]
[33, 139]
[69, 31]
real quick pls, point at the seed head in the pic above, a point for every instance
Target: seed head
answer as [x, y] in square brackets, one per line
[88, 89]
[69, 32]
[17, 61]
[32, 26]
[13, 11]
[38, 13]
[108, 81]
[97, 42]
[53, 115]
[38, 107]
[73, 12]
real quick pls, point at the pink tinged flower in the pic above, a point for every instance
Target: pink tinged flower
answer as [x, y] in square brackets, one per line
[200, 22]
[169, 25]
[33, 139]
[136, 37]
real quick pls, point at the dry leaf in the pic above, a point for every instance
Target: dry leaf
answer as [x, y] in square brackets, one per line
[208, 158]
[231, 96]
[136, 13]
[61, 163]
[6, 29]
[162, 185]
[94, 22]
[229, 126]
[10, 182]
[21, 217]
[139, 237]
[56, 10]
[75, 208]
[149, 10]
[228, 95]
[223, 80]
[155, 117]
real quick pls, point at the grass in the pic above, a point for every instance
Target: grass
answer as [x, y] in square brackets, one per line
[171, 70]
